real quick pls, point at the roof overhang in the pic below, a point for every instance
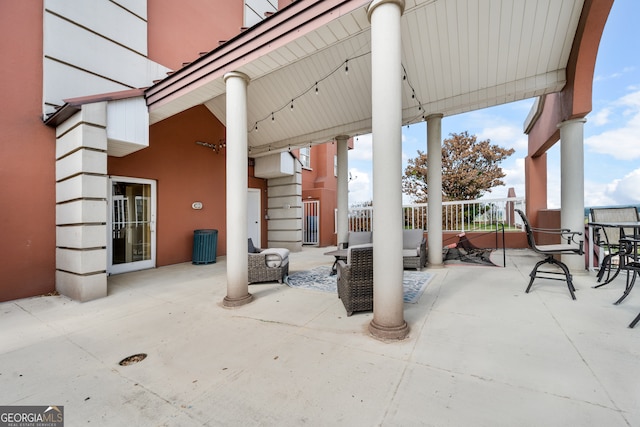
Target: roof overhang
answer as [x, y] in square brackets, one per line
[459, 56]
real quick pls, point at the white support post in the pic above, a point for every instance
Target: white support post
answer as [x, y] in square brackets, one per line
[386, 111]
[572, 184]
[237, 184]
[434, 190]
[343, 188]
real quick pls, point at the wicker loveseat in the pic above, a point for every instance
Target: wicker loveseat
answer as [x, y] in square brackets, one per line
[267, 265]
[355, 279]
[414, 249]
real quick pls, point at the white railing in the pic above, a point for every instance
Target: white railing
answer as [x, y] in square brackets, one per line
[468, 215]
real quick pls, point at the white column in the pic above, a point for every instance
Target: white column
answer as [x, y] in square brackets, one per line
[572, 184]
[386, 111]
[343, 188]
[237, 184]
[434, 190]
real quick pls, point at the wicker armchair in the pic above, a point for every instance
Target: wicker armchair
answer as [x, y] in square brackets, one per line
[414, 249]
[356, 238]
[355, 279]
[267, 265]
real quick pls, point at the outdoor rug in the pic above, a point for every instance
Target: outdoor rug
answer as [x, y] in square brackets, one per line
[318, 279]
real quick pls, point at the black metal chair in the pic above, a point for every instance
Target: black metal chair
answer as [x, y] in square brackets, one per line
[569, 248]
[630, 262]
[609, 238]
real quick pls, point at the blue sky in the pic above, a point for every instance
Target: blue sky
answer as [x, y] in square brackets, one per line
[612, 131]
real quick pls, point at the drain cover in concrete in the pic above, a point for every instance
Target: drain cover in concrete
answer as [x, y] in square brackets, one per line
[133, 359]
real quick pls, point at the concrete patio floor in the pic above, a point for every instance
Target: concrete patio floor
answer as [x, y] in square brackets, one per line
[481, 352]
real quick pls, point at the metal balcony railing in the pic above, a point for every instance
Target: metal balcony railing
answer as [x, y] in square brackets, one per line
[458, 216]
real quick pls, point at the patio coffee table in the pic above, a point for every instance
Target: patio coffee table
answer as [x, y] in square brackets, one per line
[340, 254]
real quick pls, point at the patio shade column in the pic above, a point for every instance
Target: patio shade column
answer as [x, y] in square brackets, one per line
[386, 116]
[237, 185]
[343, 188]
[434, 190]
[572, 184]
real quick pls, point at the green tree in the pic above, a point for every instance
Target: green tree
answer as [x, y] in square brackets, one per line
[470, 168]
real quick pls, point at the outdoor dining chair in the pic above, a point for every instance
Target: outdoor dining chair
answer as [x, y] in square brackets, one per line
[609, 237]
[630, 262]
[571, 247]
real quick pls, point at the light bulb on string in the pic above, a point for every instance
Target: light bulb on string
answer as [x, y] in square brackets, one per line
[346, 67]
[316, 88]
[273, 119]
[292, 104]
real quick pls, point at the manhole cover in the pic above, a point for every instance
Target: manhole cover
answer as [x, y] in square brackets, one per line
[132, 359]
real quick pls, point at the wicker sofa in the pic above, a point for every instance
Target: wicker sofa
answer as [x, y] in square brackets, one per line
[414, 249]
[267, 265]
[355, 279]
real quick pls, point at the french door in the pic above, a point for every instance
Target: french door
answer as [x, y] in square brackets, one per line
[131, 244]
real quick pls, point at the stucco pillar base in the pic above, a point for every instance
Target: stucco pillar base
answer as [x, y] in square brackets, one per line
[237, 302]
[81, 288]
[389, 332]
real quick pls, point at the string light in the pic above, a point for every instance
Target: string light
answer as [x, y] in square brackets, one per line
[413, 96]
[314, 87]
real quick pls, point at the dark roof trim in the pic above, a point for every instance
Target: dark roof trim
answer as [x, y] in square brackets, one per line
[73, 105]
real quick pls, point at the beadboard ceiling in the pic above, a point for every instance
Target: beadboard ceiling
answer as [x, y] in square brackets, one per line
[459, 56]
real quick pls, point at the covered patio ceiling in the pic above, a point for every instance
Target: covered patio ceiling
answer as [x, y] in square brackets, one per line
[459, 56]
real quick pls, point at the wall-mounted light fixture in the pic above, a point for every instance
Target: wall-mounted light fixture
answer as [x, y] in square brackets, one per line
[215, 147]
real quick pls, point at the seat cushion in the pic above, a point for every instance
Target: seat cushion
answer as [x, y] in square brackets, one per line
[360, 237]
[276, 257]
[408, 253]
[251, 248]
[411, 240]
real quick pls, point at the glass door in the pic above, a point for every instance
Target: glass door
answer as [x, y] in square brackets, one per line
[132, 214]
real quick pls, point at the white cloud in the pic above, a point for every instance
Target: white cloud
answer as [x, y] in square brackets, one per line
[601, 117]
[622, 143]
[505, 135]
[362, 148]
[625, 191]
[360, 189]
[598, 194]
